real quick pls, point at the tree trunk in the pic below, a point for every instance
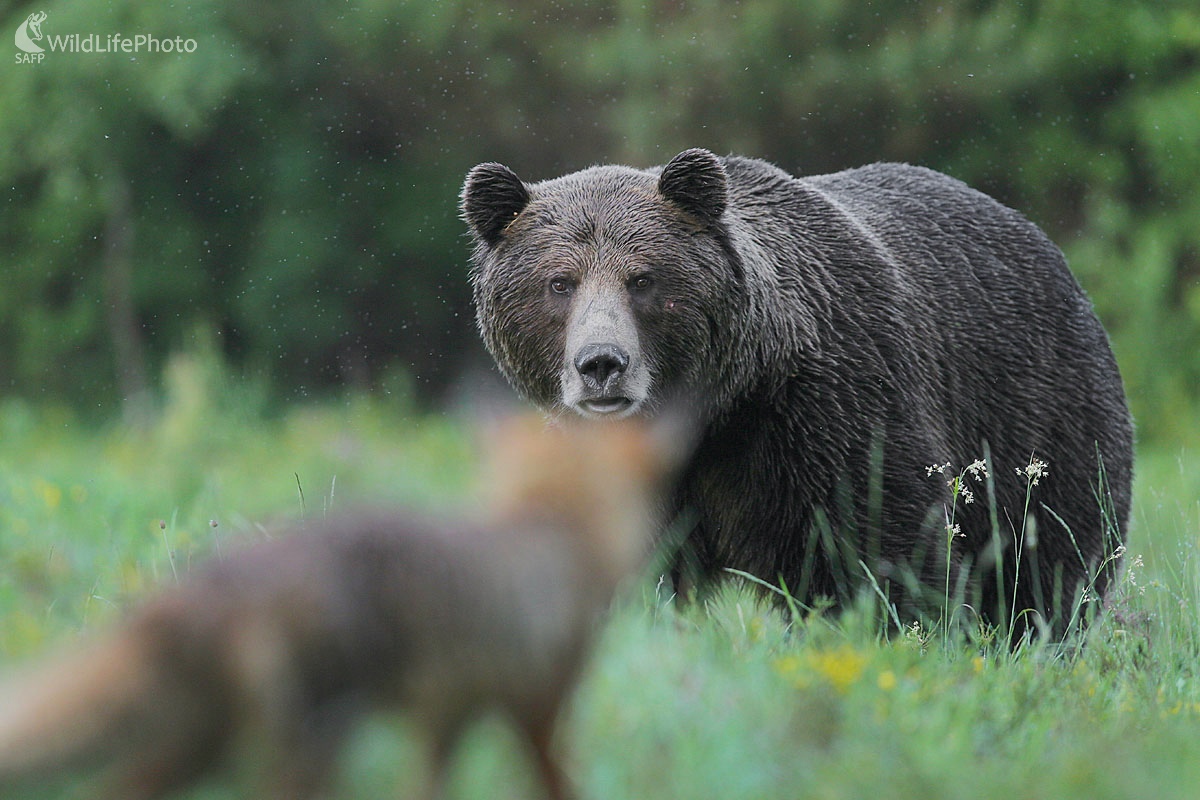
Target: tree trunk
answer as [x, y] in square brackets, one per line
[123, 329]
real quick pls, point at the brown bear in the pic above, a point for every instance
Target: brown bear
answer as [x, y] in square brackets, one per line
[838, 337]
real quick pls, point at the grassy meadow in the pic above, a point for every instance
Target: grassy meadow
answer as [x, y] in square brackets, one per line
[724, 699]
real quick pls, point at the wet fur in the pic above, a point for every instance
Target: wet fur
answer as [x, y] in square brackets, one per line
[870, 322]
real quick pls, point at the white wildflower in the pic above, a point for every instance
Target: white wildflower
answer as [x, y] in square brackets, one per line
[1034, 471]
[978, 469]
[960, 489]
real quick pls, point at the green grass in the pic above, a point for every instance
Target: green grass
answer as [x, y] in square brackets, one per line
[723, 700]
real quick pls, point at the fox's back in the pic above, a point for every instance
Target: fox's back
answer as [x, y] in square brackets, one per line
[416, 613]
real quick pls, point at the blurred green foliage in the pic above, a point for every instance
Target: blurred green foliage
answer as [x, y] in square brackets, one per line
[292, 185]
[723, 699]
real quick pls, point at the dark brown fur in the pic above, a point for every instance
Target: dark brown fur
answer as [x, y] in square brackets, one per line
[837, 334]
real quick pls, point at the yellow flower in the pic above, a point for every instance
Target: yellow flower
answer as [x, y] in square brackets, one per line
[51, 495]
[787, 666]
[887, 680]
[977, 663]
[132, 581]
[841, 667]
[791, 668]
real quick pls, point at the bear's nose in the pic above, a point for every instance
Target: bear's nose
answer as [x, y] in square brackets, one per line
[598, 363]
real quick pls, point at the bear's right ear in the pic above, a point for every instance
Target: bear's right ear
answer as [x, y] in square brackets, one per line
[492, 197]
[694, 181]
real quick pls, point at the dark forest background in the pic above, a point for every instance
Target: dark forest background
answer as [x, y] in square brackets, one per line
[287, 194]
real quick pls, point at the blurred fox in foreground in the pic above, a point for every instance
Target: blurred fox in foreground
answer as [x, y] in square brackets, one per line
[277, 650]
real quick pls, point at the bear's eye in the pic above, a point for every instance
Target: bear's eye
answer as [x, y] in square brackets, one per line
[640, 282]
[560, 286]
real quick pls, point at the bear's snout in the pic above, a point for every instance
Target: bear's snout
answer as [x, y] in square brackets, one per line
[601, 364]
[604, 371]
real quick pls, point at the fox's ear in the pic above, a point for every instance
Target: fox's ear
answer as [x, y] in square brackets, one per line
[492, 197]
[695, 181]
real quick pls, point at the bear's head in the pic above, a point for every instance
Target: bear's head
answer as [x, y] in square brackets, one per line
[607, 291]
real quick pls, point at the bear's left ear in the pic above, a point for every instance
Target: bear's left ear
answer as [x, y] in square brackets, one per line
[694, 180]
[492, 197]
